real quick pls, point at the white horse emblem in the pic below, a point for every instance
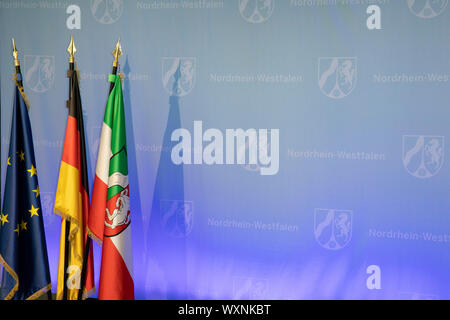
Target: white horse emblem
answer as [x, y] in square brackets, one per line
[120, 215]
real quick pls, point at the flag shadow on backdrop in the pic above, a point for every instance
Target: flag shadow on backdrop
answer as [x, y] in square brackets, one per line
[166, 250]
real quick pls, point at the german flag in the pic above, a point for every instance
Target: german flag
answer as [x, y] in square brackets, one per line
[72, 201]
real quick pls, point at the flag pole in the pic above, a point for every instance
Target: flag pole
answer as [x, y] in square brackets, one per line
[86, 255]
[17, 65]
[19, 83]
[72, 49]
[117, 52]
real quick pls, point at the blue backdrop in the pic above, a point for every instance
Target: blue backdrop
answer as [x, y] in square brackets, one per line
[355, 105]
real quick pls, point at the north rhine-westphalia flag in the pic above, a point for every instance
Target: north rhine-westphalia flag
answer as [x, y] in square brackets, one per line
[23, 249]
[109, 220]
[72, 201]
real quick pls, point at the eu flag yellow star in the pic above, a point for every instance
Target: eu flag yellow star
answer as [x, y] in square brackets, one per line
[32, 171]
[23, 225]
[33, 211]
[22, 156]
[9, 161]
[17, 229]
[36, 191]
[4, 219]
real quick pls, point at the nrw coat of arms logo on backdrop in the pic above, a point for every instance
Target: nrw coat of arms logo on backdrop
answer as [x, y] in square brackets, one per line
[256, 11]
[423, 156]
[178, 75]
[107, 11]
[427, 8]
[177, 217]
[39, 72]
[337, 76]
[333, 228]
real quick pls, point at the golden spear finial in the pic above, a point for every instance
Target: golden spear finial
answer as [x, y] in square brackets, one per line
[72, 49]
[15, 54]
[17, 74]
[117, 52]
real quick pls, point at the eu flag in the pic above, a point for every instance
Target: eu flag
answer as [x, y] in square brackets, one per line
[23, 250]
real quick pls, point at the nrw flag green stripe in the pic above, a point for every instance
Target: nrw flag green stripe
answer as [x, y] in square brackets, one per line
[109, 220]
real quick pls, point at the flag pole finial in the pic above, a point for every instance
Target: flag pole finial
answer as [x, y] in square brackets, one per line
[15, 54]
[117, 52]
[18, 74]
[72, 49]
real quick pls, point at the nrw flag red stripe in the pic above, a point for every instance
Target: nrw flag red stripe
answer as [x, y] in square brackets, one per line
[109, 220]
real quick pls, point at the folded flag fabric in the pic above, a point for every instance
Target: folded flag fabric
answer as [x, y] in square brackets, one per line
[23, 249]
[109, 220]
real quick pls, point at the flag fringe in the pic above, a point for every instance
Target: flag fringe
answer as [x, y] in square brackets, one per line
[13, 274]
[23, 94]
[72, 221]
[13, 291]
[87, 294]
[94, 237]
[40, 292]
[72, 233]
